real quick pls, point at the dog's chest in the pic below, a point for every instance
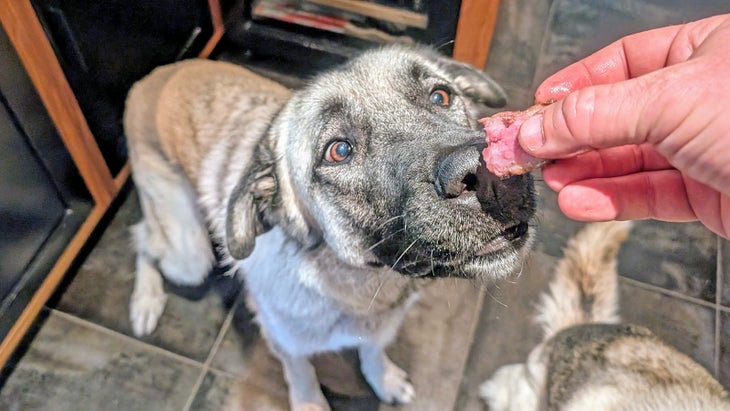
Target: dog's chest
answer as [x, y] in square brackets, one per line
[308, 297]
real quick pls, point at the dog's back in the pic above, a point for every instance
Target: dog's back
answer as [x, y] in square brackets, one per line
[588, 360]
[191, 129]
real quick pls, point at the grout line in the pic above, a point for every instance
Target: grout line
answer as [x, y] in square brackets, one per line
[213, 351]
[223, 373]
[125, 337]
[669, 293]
[718, 301]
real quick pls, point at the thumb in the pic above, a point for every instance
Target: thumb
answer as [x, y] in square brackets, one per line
[591, 118]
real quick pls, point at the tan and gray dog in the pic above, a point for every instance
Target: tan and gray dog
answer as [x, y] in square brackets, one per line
[590, 361]
[335, 201]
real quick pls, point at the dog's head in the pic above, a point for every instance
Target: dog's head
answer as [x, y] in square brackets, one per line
[381, 160]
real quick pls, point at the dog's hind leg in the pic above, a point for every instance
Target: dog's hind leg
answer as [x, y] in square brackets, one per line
[388, 381]
[171, 241]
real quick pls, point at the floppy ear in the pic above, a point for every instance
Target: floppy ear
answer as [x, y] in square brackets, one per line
[474, 84]
[251, 205]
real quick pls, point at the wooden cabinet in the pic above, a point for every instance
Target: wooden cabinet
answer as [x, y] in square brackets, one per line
[474, 31]
[24, 298]
[56, 183]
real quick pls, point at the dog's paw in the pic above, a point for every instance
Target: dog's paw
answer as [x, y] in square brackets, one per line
[144, 311]
[493, 396]
[509, 389]
[310, 406]
[396, 388]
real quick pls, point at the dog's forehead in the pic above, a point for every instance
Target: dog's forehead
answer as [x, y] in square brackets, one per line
[383, 69]
[367, 92]
[382, 79]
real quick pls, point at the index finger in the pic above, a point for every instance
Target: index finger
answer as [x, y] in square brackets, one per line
[623, 59]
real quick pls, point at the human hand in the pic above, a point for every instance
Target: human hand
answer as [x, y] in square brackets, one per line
[640, 128]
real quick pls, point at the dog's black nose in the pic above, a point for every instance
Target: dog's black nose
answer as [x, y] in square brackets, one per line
[507, 200]
[456, 173]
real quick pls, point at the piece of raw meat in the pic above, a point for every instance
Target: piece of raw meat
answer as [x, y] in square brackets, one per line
[504, 156]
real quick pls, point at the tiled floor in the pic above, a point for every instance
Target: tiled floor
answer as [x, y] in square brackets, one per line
[675, 280]
[205, 347]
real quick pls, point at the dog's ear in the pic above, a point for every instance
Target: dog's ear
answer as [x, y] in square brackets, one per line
[251, 205]
[474, 84]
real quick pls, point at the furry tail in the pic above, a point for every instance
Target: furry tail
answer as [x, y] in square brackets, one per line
[584, 287]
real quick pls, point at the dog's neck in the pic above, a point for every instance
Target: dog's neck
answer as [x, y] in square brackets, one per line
[360, 290]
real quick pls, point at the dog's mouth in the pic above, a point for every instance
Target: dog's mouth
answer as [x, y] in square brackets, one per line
[506, 238]
[423, 262]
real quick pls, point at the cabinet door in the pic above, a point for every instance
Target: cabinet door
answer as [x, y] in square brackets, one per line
[43, 200]
[30, 206]
[104, 46]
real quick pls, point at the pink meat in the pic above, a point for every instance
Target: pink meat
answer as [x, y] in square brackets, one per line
[504, 156]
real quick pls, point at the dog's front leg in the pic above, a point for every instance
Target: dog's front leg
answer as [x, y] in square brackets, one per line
[148, 298]
[304, 391]
[388, 381]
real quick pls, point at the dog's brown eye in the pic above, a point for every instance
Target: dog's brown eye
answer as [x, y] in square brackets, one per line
[338, 151]
[440, 97]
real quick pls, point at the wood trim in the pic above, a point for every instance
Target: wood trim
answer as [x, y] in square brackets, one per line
[216, 16]
[51, 282]
[45, 291]
[35, 52]
[474, 31]
[392, 14]
[122, 176]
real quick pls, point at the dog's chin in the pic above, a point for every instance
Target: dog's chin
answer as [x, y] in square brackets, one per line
[501, 257]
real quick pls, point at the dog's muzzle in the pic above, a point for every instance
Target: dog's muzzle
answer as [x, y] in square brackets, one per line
[462, 176]
[456, 174]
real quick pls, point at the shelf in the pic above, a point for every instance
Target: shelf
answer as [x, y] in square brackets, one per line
[378, 11]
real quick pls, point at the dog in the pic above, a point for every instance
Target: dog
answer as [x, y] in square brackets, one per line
[336, 201]
[588, 359]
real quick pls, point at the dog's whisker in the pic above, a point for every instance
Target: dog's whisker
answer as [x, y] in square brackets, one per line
[377, 291]
[508, 280]
[522, 268]
[389, 220]
[493, 297]
[403, 254]
[444, 44]
[384, 239]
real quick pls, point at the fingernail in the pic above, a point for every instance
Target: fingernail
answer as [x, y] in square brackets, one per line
[531, 133]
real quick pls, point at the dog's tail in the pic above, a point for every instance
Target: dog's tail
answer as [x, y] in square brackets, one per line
[584, 287]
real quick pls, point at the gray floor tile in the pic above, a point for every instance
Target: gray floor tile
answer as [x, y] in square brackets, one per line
[213, 393]
[505, 333]
[518, 98]
[552, 226]
[259, 383]
[433, 344]
[71, 366]
[434, 341]
[676, 257]
[687, 326]
[516, 42]
[577, 28]
[101, 288]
